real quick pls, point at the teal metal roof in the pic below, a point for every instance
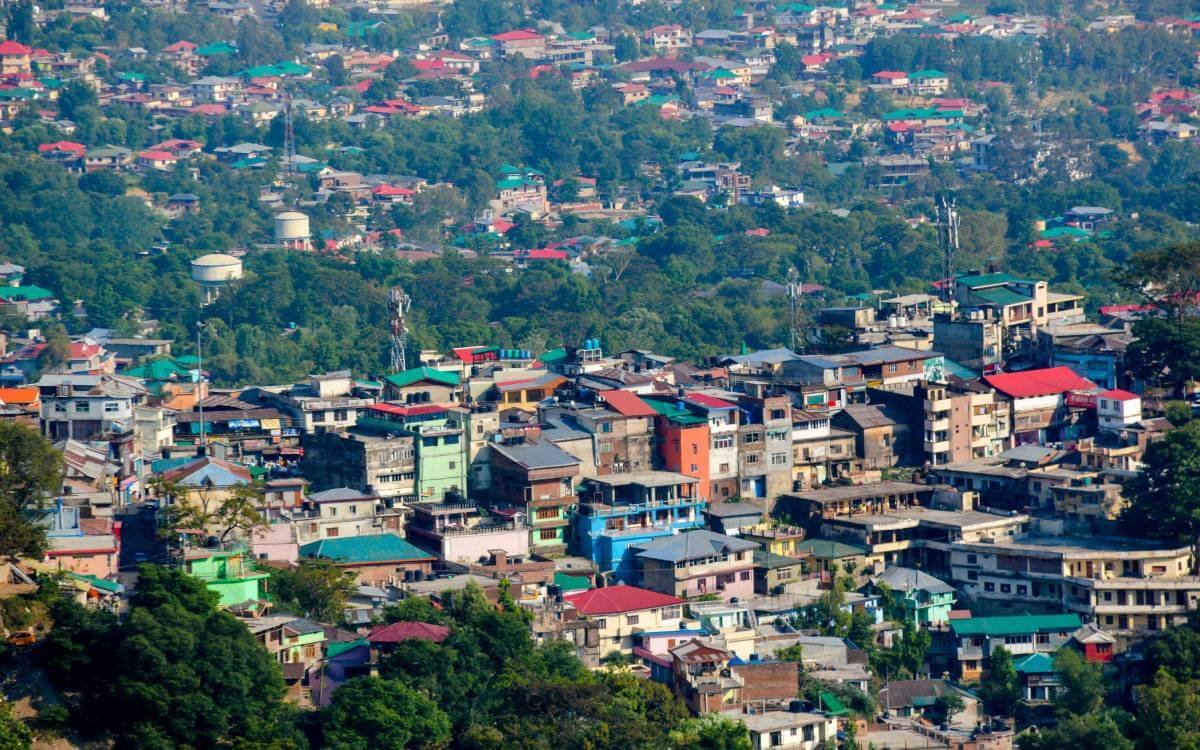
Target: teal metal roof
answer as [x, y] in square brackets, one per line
[1016, 625]
[990, 279]
[417, 374]
[829, 548]
[675, 412]
[1035, 664]
[1001, 296]
[364, 549]
[571, 583]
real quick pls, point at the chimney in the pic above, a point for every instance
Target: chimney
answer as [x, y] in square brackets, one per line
[499, 557]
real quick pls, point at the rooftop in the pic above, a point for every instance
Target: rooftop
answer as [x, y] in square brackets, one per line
[692, 545]
[621, 598]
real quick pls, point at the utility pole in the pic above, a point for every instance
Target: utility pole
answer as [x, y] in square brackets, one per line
[201, 393]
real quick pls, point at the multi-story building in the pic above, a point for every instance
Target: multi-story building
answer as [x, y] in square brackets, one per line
[380, 464]
[325, 403]
[624, 612]
[973, 339]
[1122, 585]
[697, 563]
[344, 512]
[458, 531]
[684, 445]
[820, 452]
[88, 407]
[765, 440]
[620, 511]
[437, 432]
[961, 421]
[622, 429]
[537, 479]
[1046, 404]
[974, 639]
[809, 507]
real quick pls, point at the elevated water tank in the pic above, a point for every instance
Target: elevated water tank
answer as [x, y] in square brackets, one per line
[291, 230]
[214, 271]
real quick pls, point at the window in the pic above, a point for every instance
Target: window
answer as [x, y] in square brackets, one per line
[451, 440]
[331, 531]
[972, 559]
[606, 446]
[753, 458]
[332, 510]
[745, 575]
[82, 407]
[544, 513]
[453, 464]
[339, 415]
[722, 441]
[778, 459]
[112, 407]
[972, 575]
[1005, 588]
[606, 426]
[892, 367]
[989, 586]
[631, 619]
[548, 535]
[429, 442]
[778, 414]
[752, 437]
[723, 468]
[354, 510]
[602, 623]
[1022, 590]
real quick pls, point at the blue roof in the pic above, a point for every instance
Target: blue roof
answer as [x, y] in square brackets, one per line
[364, 549]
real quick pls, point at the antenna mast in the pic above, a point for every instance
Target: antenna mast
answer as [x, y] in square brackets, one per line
[796, 311]
[399, 304]
[947, 222]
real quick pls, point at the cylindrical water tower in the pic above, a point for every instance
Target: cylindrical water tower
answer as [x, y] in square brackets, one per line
[214, 271]
[291, 231]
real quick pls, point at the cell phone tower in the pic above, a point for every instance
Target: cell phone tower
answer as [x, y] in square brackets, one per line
[399, 304]
[947, 223]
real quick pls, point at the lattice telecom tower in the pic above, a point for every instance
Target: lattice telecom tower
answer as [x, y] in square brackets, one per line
[947, 223]
[399, 304]
[796, 312]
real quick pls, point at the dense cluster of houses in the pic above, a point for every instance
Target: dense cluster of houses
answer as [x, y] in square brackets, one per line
[961, 470]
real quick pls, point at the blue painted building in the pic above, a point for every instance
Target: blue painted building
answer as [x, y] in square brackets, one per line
[620, 511]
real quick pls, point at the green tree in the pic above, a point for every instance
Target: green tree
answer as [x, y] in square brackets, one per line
[1081, 683]
[175, 673]
[711, 732]
[30, 471]
[1164, 496]
[948, 704]
[371, 712]
[74, 97]
[1169, 712]
[14, 735]
[1000, 688]
[413, 609]
[317, 589]
[1089, 731]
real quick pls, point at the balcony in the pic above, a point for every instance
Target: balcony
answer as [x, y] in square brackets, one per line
[937, 425]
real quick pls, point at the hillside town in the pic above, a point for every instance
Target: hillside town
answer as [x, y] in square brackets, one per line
[480, 374]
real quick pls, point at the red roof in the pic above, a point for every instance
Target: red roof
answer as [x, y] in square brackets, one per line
[1117, 394]
[627, 403]
[156, 155]
[1049, 381]
[208, 109]
[428, 64]
[891, 75]
[613, 599]
[75, 148]
[408, 411]
[391, 190]
[712, 402]
[517, 36]
[19, 395]
[403, 631]
[543, 253]
[180, 46]
[9, 47]
[82, 350]
[759, 232]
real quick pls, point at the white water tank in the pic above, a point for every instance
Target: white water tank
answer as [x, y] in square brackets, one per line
[214, 271]
[291, 230]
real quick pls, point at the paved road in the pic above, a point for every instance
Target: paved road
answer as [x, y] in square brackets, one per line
[139, 537]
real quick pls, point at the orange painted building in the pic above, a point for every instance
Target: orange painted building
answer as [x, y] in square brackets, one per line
[683, 442]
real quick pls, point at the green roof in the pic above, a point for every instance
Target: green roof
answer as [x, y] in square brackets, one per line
[571, 583]
[28, 293]
[829, 548]
[922, 74]
[1035, 664]
[111, 587]
[1057, 232]
[675, 412]
[337, 648]
[831, 705]
[364, 549]
[219, 48]
[1015, 625]
[990, 279]
[827, 113]
[554, 355]
[771, 561]
[130, 76]
[158, 369]
[1001, 296]
[417, 374]
[509, 183]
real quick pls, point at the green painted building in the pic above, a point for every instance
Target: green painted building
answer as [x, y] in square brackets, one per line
[437, 432]
[925, 600]
[230, 573]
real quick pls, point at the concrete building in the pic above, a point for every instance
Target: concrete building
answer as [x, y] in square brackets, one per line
[380, 464]
[820, 452]
[536, 479]
[458, 531]
[696, 563]
[437, 432]
[974, 338]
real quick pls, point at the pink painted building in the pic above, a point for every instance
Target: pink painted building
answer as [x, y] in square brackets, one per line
[697, 563]
[88, 546]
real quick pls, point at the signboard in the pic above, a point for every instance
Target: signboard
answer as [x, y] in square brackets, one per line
[1078, 400]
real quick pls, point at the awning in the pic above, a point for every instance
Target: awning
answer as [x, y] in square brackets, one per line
[831, 705]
